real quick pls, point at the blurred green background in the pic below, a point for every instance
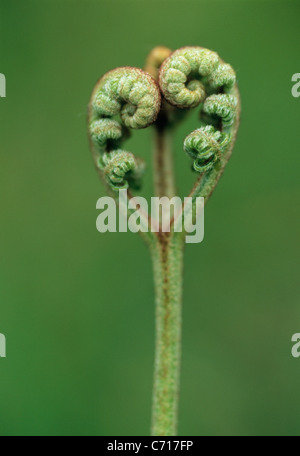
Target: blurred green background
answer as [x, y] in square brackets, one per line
[77, 306]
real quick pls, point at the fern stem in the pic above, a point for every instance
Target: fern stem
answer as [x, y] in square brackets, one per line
[167, 255]
[164, 179]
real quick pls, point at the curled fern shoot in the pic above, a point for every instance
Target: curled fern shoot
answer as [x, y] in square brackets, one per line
[160, 96]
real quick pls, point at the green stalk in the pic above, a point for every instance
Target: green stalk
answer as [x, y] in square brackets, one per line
[164, 178]
[167, 256]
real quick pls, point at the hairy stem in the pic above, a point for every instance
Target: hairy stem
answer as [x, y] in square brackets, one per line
[164, 180]
[167, 255]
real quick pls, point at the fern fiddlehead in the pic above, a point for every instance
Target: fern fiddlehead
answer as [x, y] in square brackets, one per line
[195, 76]
[205, 146]
[128, 98]
[134, 96]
